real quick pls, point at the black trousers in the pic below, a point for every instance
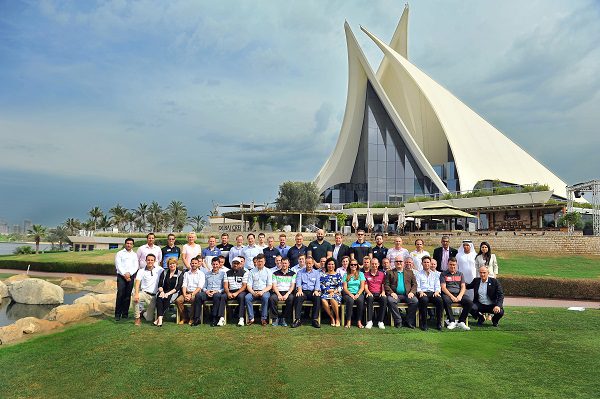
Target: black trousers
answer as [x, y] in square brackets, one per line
[350, 302]
[124, 289]
[425, 301]
[299, 301]
[218, 308]
[162, 304]
[198, 302]
[481, 308]
[382, 301]
[241, 300]
[466, 304]
[287, 309]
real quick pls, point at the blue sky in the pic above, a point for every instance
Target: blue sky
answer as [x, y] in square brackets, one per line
[129, 102]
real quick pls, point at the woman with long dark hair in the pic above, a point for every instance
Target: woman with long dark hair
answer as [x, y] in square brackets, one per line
[485, 257]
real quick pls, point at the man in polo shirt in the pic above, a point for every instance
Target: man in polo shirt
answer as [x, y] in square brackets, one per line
[270, 253]
[126, 263]
[170, 251]
[397, 251]
[284, 282]
[235, 287]
[308, 286]
[429, 291]
[283, 248]
[238, 250]
[259, 285]
[149, 248]
[360, 248]
[452, 283]
[213, 289]
[340, 249]
[191, 290]
[320, 248]
[298, 249]
[225, 247]
[211, 251]
[375, 291]
[251, 251]
[401, 286]
[379, 251]
[145, 288]
[443, 253]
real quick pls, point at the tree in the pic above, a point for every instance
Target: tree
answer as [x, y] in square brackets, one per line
[60, 234]
[104, 223]
[198, 222]
[38, 232]
[341, 219]
[298, 196]
[177, 215]
[130, 220]
[95, 213]
[118, 216]
[72, 225]
[155, 216]
[141, 214]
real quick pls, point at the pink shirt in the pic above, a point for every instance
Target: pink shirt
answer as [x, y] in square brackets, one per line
[191, 252]
[374, 282]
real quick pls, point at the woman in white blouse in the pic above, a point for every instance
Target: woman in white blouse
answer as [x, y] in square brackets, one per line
[487, 258]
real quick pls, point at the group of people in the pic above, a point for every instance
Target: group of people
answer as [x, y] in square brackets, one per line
[280, 279]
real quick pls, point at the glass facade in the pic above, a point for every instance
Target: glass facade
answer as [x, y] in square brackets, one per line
[384, 170]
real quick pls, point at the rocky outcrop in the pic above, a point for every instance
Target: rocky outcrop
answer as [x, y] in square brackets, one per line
[13, 279]
[3, 290]
[71, 285]
[71, 313]
[25, 326]
[105, 303]
[105, 287]
[34, 291]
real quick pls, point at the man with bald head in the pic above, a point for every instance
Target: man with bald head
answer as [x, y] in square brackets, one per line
[397, 251]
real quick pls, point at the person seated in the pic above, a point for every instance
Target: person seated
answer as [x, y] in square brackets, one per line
[259, 284]
[489, 297]
[429, 291]
[213, 289]
[235, 287]
[386, 265]
[452, 283]
[191, 291]
[284, 283]
[366, 265]
[375, 291]
[308, 286]
[331, 287]
[354, 286]
[145, 288]
[409, 264]
[401, 287]
[169, 285]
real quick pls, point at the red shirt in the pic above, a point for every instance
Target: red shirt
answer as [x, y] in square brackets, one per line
[374, 282]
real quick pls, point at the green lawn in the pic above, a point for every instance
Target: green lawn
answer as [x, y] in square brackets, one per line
[536, 353]
[98, 256]
[548, 266]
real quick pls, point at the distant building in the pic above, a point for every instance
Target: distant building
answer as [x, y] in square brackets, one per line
[90, 243]
[27, 224]
[3, 227]
[16, 229]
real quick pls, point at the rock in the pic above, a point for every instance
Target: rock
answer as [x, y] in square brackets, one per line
[71, 285]
[10, 333]
[15, 278]
[76, 278]
[105, 287]
[88, 299]
[70, 313]
[106, 297]
[34, 291]
[107, 308]
[30, 325]
[3, 290]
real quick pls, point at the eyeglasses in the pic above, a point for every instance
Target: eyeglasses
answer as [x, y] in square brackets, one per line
[353, 264]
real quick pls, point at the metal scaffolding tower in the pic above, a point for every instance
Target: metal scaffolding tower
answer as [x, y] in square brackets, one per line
[577, 190]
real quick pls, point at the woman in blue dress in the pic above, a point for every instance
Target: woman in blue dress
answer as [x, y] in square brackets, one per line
[331, 288]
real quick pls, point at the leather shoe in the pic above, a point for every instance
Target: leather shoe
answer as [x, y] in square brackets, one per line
[138, 322]
[263, 322]
[480, 320]
[118, 317]
[439, 327]
[410, 326]
[296, 324]
[424, 327]
[315, 324]
[250, 322]
[196, 323]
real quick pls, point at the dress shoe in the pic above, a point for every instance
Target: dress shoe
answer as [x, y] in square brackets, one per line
[118, 317]
[296, 323]
[410, 326]
[480, 320]
[424, 327]
[315, 324]
[263, 322]
[250, 322]
[439, 327]
[195, 323]
[125, 316]
[495, 324]
[138, 322]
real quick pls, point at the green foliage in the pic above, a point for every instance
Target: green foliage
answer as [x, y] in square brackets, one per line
[298, 196]
[571, 219]
[505, 190]
[341, 220]
[355, 205]
[534, 187]
[420, 199]
[23, 250]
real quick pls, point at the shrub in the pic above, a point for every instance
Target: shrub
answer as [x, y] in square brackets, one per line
[62, 267]
[23, 250]
[550, 287]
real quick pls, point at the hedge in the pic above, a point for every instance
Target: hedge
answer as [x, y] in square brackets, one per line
[61, 267]
[551, 287]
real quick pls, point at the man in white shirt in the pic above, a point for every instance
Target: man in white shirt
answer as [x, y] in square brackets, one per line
[149, 248]
[146, 286]
[261, 241]
[418, 254]
[126, 263]
[396, 251]
[191, 292]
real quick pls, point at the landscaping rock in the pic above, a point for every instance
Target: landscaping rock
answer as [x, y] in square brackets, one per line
[71, 313]
[105, 287]
[107, 308]
[34, 291]
[3, 290]
[30, 325]
[10, 333]
[15, 278]
[71, 285]
[76, 278]
[106, 297]
[87, 299]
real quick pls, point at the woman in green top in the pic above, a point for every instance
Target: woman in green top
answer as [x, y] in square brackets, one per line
[354, 286]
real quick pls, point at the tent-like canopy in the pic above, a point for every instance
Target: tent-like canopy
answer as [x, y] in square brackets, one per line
[440, 211]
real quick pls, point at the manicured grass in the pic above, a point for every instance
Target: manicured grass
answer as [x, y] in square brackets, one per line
[549, 266]
[534, 353]
[98, 256]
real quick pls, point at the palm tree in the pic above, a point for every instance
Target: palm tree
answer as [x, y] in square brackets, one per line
[60, 234]
[155, 216]
[95, 213]
[104, 222]
[72, 225]
[88, 224]
[130, 220]
[177, 215]
[38, 232]
[118, 216]
[198, 222]
[141, 214]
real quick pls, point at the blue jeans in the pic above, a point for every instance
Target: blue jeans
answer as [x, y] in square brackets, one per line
[264, 305]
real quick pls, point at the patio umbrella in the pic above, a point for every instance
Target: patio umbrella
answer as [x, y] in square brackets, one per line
[369, 222]
[418, 223]
[355, 221]
[401, 218]
[386, 220]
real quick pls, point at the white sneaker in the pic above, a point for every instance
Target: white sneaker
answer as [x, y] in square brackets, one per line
[451, 325]
[369, 325]
[241, 322]
[463, 326]
[381, 325]
[221, 322]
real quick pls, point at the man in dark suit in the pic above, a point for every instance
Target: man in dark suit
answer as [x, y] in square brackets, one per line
[340, 249]
[489, 297]
[443, 253]
[404, 292]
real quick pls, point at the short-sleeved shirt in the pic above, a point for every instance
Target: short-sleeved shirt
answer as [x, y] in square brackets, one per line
[354, 284]
[235, 279]
[308, 281]
[295, 252]
[249, 253]
[270, 255]
[283, 280]
[225, 248]
[452, 281]
[374, 282]
[214, 281]
[168, 253]
[149, 279]
[379, 252]
[319, 250]
[259, 279]
[360, 250]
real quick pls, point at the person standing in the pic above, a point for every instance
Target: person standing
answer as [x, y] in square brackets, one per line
[145, 288]
[418, 254]
[260, 282]
[225, 247]
[320, 248]
[149, 248]
[360, 248]
[466, 264]
[379, 251]
[251, 251]
[443, 253]
[485, 257]
[261, 241]
[238, 250]
[170, 251]
[340, 249]
[298, 249]
[127, 265]
[397, 251]
[283, 248]
[190, 250]
[169, 285]
[271, 253]
[210, 252]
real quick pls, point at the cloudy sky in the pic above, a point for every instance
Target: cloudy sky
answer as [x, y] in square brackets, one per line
[126, 102]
